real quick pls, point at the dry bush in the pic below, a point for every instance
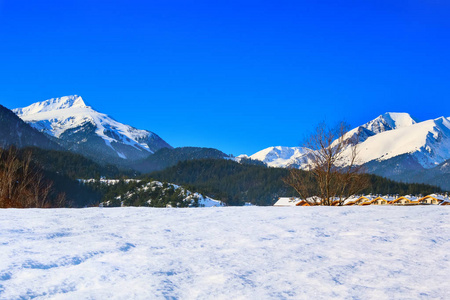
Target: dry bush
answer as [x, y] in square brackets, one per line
[334, 173]
[22, 185]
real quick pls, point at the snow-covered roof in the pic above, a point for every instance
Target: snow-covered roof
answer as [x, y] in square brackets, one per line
[287, 201]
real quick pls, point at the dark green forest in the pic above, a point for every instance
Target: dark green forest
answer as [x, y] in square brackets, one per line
[166, 157]
[75, 165]
[64, 169]
[25, 183]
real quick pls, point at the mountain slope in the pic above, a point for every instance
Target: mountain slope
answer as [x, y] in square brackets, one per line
[428, 142]
[14, 131]
[79, 128]
[439, 175]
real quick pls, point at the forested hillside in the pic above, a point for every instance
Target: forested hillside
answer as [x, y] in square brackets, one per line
[25, 184]
[229, 181]
[166, 157]
[75, 165]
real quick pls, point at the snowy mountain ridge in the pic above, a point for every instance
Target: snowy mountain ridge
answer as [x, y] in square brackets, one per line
[387, 136]
[389, 121]
[82, 129]
[428, 142]
[385, 122]
[280, 156]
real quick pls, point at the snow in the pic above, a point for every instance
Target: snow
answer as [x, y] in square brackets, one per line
[108, 181]
[389, 121]
[226, 253]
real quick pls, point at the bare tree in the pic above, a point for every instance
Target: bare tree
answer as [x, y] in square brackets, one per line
[21, 184]
[334, 172]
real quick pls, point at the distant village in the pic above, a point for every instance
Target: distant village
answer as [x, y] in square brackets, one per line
[433, 199]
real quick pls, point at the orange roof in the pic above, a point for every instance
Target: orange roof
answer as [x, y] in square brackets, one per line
[379, 198]
[429, 196]
[400, 198]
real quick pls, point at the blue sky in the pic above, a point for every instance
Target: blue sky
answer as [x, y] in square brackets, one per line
[239, 76]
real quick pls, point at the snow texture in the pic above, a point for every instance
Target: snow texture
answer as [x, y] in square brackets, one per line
[226, 253]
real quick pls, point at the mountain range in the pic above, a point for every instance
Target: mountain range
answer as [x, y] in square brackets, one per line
[393, 145]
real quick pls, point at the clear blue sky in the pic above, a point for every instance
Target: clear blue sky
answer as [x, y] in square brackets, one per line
[239, 76]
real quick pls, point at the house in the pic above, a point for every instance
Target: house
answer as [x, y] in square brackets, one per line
[430, 200]
[401, 201]
[379, 201]
[351, 200]
[364, 200]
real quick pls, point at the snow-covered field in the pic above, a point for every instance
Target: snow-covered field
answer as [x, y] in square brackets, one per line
[226, 253]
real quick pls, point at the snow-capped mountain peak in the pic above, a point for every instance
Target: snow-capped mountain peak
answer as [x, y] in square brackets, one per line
[82, 129]
[428, 142]
[389, 121]
[53, 104]
[385, 122]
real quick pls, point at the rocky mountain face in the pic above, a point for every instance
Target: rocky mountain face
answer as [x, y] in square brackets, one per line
[79, 128]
